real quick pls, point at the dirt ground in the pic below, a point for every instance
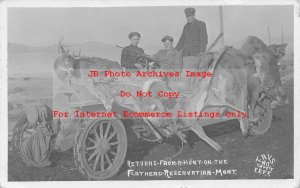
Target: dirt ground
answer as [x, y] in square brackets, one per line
[240, 153]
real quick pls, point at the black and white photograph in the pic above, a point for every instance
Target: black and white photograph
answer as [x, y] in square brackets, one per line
[144, 93]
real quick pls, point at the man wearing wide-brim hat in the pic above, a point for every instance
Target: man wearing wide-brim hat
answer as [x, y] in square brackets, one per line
[168, 58]
[193, 40]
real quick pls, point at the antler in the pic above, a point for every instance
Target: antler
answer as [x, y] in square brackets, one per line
[63, 51]
[60, 41]
[61, 48]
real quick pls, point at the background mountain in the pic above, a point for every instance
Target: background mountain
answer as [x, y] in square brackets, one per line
[24, 60]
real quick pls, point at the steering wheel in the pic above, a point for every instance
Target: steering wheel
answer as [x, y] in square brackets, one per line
[141, 62]
[145, 63]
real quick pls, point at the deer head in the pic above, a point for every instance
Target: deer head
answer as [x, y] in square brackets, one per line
[63, 65]
[65, 53]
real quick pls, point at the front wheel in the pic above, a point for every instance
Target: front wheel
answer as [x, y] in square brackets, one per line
[100, 148]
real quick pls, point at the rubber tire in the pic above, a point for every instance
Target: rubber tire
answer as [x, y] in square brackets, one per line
[78, 150]
[264, 126]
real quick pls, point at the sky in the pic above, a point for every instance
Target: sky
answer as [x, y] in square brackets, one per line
[44, 26]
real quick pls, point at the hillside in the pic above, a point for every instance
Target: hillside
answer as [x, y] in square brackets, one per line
[24, 59]
[29, 60]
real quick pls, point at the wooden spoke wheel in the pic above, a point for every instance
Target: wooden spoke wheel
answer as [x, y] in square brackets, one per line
[100, 148]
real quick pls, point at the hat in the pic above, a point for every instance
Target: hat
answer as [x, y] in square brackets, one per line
[167, 37]
[134, 34]
[189, 11]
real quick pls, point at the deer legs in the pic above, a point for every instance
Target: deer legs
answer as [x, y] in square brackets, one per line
[200, 132]
[196, 128]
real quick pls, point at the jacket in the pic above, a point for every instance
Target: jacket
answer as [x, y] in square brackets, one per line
[128, 58]
[193, 39]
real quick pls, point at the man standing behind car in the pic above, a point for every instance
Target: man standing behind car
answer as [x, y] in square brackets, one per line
[193, 40]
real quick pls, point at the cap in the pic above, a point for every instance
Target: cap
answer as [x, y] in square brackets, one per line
[134, 34]
[167, 37]
[189, 11]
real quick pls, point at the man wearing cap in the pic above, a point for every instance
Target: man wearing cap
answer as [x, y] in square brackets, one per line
[193, 40]
[168, 58]
[128, 56]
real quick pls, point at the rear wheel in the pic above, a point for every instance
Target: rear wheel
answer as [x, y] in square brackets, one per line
[22, 132]
[265, 113]
[100, 148]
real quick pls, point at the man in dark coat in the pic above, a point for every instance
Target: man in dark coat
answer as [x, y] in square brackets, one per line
[193, 40]
[128, 56]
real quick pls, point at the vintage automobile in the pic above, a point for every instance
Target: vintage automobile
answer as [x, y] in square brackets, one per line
[100, 144]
